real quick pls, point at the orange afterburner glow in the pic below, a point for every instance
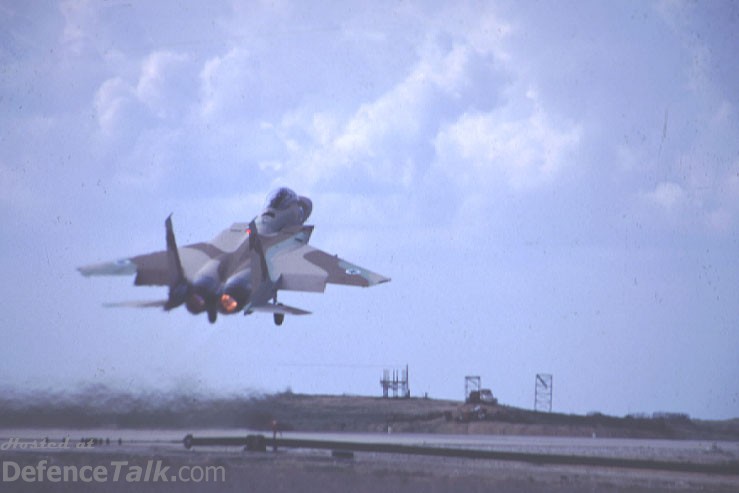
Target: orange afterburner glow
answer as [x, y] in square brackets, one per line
[228, 303]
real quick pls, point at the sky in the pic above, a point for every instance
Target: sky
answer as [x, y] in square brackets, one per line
[553, 187]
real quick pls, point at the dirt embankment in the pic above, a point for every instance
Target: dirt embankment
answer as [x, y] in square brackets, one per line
[340, 413]
[334, 413]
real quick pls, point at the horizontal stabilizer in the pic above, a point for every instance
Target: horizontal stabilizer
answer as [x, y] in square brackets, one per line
[136, 304]
[280, 308]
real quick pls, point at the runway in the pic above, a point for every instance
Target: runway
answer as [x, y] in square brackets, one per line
[378, 469]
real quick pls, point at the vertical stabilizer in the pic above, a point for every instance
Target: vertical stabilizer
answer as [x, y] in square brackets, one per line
[177, 280]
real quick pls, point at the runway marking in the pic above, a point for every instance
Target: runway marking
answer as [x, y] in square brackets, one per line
[730, 468]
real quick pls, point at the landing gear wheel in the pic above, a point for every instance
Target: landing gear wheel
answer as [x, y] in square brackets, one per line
[212, 315]
[279, 318]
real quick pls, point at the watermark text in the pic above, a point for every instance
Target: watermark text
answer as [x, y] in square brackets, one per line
[152, 471]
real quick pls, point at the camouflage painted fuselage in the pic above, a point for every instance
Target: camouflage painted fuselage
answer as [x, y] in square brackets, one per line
[243, 267]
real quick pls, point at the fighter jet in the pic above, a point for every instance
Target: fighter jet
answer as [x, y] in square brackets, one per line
[243, 268]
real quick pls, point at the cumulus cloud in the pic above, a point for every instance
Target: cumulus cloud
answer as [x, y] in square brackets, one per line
[389, 140]
[164, 73]
[667, 195]
[110, 99]
[458, 109]
[382, 134]
[707, 199]
[520, 151]
[702, 181]
[161, 89]
[223, 83]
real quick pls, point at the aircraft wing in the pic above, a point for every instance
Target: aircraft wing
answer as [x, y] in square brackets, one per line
[150, 269]
[310, 269]
[153, 269]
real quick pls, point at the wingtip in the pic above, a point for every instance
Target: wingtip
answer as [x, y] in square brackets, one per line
[379, 281]
[376, 279]
[116, 268]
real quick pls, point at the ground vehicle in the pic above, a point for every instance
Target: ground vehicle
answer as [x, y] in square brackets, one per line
[486, 396]
[481, 396]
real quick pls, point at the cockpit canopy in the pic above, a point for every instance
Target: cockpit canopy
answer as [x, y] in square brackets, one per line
[281, 199]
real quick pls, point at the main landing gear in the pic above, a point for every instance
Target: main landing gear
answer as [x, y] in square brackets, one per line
[278, 317]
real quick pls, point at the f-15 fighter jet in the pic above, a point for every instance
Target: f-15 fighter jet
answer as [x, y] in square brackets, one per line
[241, 269]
